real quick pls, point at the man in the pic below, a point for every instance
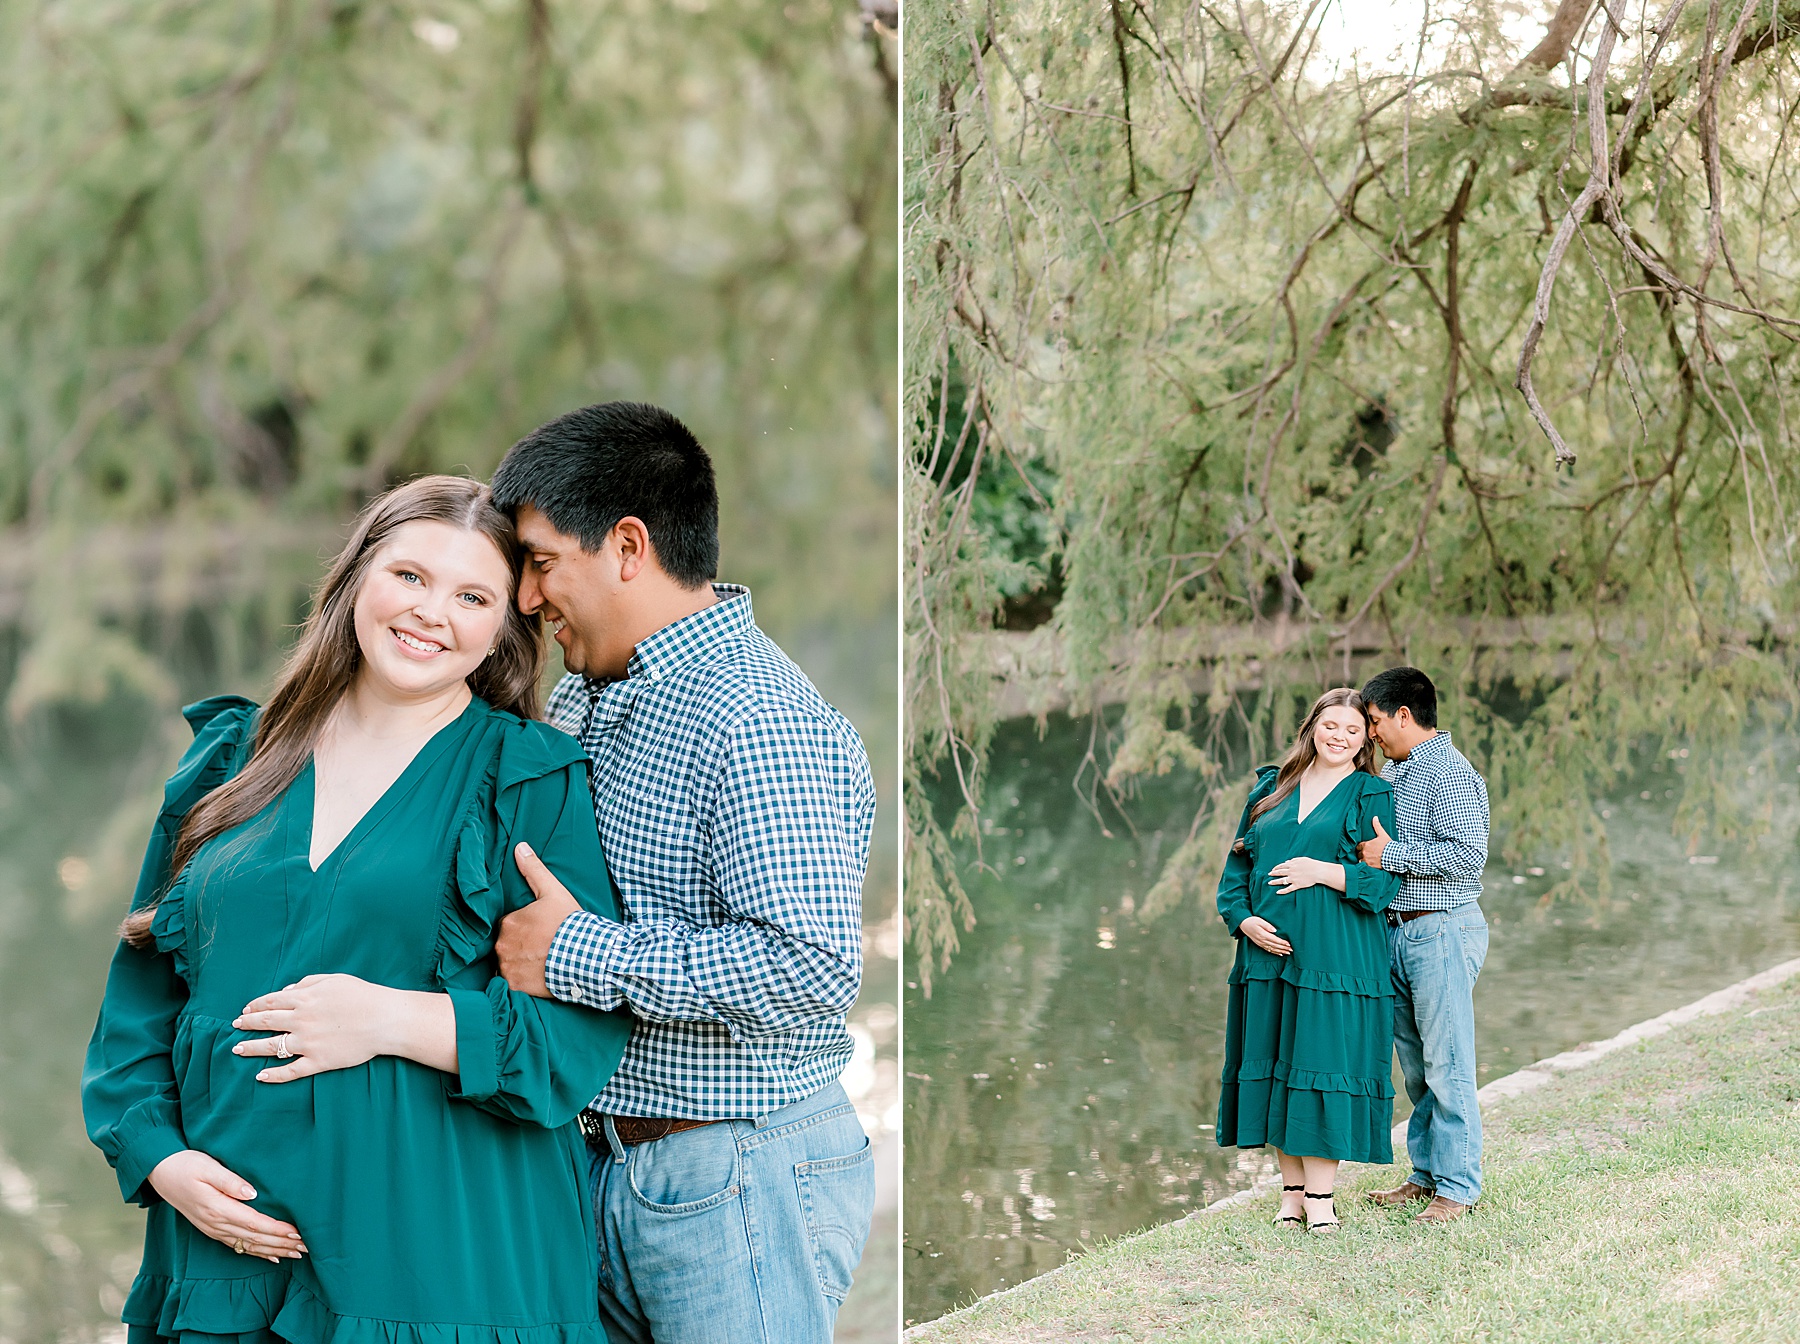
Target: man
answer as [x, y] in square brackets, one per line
[1437, 938]
[733, 1185]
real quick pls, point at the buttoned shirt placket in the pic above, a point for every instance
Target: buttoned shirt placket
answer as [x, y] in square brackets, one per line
[1436, 779]
[713, 738]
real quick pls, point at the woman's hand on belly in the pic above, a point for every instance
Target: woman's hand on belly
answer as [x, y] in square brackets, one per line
[330, 1022]
[341, 1021]
[1259, 931]
[212, 1198]
[1300, 873]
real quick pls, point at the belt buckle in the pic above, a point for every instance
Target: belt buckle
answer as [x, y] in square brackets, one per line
[593, 1128]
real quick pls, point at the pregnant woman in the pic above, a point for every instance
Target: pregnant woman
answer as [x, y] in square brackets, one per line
[1309, 1027]
[398, 1162]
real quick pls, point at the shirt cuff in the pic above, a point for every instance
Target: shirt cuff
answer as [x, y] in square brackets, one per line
[1393, 857]
[139, 1154]
[575, 969]
[477, 1055]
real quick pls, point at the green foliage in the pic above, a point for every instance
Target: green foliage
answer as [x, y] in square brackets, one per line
[259, 260]
[1009, 501]
[1260, 314]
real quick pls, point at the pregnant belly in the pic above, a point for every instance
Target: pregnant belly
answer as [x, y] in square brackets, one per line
[379, 1167]
[263, 1132]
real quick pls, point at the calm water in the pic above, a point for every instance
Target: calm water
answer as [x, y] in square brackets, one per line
[1062, 1080]
[78, 790]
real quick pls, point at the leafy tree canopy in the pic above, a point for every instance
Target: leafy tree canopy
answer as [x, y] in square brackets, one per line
[1480, 362]
[259, 260]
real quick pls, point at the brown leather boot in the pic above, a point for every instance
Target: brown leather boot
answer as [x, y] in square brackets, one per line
[1442, 1210]
[1404, 1193]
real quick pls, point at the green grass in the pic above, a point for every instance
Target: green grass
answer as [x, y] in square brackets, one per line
[1647, 1197]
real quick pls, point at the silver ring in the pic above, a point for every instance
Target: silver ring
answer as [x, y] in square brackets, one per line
[281, 1047]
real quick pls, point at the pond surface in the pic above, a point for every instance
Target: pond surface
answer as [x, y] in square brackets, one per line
[1062, 1080]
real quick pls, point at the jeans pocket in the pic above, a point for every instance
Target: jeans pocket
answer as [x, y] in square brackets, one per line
[674, 1177]
[1474, 941]
[1422, 930]
[837, 1198]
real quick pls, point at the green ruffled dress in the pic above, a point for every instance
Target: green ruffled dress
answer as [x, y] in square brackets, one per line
[438, 1208]
[1309, 1037]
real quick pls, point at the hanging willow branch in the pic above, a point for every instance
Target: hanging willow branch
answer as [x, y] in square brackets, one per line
[1278, 345]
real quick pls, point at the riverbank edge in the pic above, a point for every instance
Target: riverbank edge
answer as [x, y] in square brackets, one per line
[1517, 1084]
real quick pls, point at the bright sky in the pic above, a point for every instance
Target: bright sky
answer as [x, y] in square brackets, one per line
[1383, 35]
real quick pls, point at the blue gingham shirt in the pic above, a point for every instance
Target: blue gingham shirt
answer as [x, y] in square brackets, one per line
[1441, 814]
[735, 807]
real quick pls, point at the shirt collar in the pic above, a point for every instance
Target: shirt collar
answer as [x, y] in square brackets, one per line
[691, 638]
[1429, 748]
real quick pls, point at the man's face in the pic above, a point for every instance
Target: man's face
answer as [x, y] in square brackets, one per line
[577, 593]
[1392, 732]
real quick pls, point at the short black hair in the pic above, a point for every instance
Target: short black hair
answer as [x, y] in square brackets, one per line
[1407, 687]
[586, 470]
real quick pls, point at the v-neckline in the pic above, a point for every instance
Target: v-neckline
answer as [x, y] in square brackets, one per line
[428, 749]
[1299, 816]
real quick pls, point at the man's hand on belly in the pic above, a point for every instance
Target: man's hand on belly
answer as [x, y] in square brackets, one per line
[526, 934]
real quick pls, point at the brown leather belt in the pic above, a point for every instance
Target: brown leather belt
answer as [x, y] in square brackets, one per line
[634, 1129]
[1402, 916]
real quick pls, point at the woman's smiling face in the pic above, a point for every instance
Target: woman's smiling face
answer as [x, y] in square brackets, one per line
[431, 606]
[1339, 734]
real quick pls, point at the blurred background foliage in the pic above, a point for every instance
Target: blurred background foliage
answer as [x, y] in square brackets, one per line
[1215, 398]
[259, 261]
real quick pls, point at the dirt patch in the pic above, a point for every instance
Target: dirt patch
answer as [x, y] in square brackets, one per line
[1614, 1137]
[1696, 1284]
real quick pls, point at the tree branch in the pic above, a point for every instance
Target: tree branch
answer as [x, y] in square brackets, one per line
[1559, 35]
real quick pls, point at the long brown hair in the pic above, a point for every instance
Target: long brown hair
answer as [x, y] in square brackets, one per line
[325, 660]
[1303, 753]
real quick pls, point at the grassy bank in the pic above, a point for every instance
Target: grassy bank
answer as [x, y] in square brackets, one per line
[1648, 1195]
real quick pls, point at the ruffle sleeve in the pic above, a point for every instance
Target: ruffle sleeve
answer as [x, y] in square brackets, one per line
[224, 733]
[1371, 888]
[528, 1059]
[128, 1094]
[1234, 882]
[529, 753]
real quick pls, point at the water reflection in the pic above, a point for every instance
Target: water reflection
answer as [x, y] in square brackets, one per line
[68, 1244]
[1063, 1078]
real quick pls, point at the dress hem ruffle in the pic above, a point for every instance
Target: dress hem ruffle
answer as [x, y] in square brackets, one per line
[251, 1310]
[1302, 977]
[1305, 1123]
[1309, 1080]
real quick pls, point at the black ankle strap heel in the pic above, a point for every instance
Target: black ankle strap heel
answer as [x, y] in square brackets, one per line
[1324, 1224]
[1290, 1220]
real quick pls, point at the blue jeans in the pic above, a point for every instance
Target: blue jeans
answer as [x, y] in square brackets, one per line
[743, 1232]
[1436, 959]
